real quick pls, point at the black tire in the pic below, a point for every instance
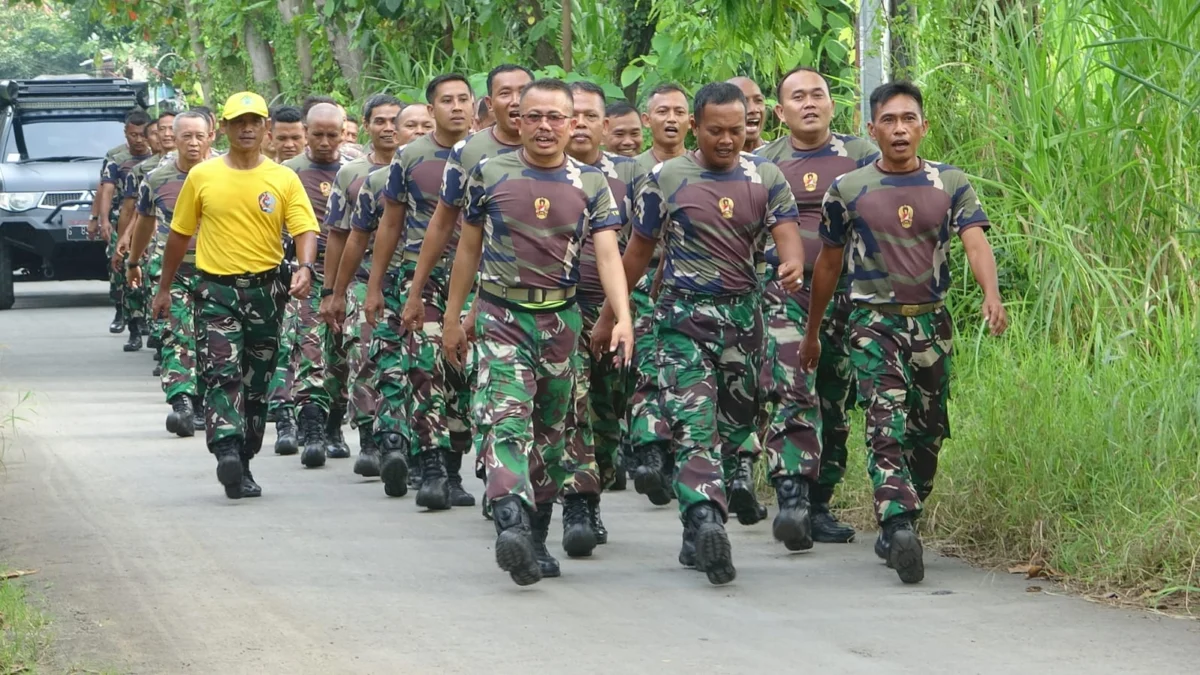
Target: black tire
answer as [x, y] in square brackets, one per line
[7, 295]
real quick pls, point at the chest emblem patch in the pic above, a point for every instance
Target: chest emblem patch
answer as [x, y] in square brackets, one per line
[906, 216]
[541, 208]
[326, 188]
[726, 206]
[266, 202]
[810, 181]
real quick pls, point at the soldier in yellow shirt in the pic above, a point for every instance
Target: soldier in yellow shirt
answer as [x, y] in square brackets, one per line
[243, 200]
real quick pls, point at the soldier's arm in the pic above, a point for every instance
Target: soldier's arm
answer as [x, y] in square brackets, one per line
[638, 253]
[335, 246]
[387, 239]
[139, 238]
[125, 217]
[983, 266]
[437, 236]
[612, 273]
[462, 275]
[826, 271]
[104, 197]
[790, 248]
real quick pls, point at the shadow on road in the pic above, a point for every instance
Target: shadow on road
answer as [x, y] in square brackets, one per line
[60, 294]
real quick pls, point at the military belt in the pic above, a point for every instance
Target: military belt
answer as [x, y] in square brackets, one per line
[902, 310]
[761, 268]
[534, 295]
[707, 298]
[247, 280]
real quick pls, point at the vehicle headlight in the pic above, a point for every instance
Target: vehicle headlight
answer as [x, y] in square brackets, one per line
[19, 201]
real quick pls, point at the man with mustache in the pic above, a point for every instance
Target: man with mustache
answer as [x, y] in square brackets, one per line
[806, 436]
[527, 213]
[106, 208]
[715, 207]
[319, 356]
[600, 388]
[381, 114]
[756, 111]
[623, 130]
[896, 216]
[433, 261]
[244, 200]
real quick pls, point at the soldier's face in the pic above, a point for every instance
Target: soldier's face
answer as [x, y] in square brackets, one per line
[415, 121]
[898, 128]
[589, 125]
[805, 105]
[135, 138]
[350, 132]
[194, 139]
[381, 126]
[245, 132]
[547, 123]
[288, 138]
[323, 137]
[667, 116]
[451, 107]
[721, 133]
[505, 99]
[152, 139]
[624, 135]
[166, 133]
[756, 107]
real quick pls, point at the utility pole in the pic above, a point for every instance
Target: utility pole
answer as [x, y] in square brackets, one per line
[874, 51]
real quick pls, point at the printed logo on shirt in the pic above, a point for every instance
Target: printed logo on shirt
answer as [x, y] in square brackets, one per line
[810, 181]
[266, 202]
[541, 208]
[726, 206]
[326, 188]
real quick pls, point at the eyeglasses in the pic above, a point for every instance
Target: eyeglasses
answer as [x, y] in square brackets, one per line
[553, 119]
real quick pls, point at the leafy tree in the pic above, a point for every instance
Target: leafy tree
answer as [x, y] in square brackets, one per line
[38, 41]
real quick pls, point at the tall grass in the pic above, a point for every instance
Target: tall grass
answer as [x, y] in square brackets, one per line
[1076, 438]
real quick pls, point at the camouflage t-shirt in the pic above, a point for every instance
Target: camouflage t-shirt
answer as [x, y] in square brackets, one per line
[714, 221]
[535, 219]
[897, 228]
[462, 160]
[645, 162]
[317, 180]
[622, 174]
[129, 190]
[156, 198]
[346, 188]
[368, 209]
[810, 173]
[117, 165]
[414, 180]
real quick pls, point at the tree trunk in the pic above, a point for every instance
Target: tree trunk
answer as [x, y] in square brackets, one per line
[904, 18]
[635, 39]
[566, 35]
[544, 53]
[262, 64]
[193, 24]
[289, 10]
[349, 60]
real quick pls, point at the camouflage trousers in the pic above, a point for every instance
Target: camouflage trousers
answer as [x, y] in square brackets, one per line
[809, 424]
[708, 356]
[903, 370]
[599, 411]
[239, 333]
[524, 403]
[322, 371]
[179, 350]
[364, 398]
[153, 272]
[116, 278]
[283, 374]
[645, 425]
[391, 380]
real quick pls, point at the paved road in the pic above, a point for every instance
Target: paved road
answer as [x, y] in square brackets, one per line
[147, 568]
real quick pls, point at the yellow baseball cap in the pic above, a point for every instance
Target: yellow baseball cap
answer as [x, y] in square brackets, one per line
[243, 103]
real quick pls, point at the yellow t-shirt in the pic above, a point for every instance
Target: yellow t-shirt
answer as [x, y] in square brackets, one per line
[243, 212]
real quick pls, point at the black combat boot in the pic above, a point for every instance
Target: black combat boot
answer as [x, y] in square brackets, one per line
[900, 546]
[393, 465]
[312, 436]
[181, 420]
[118, 323]
[434, 493]
[335, 443]
[154, 342]
[135, 336]
[157, 372]
[579, 539]
[486, 507]
[229, 467]
[367, 464]
[514, 541]
[594, 517]
[249, 487]
[827, 529]
[546, 563]
[792, 525]
[714, 555]
[286, 440]
[651, 478]
[687, 550]
[742, 500]
[620, 476]
[458, 494]
[198, 413]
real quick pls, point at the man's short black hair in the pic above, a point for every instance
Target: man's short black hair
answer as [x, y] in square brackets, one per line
[432, 87]
[481, 110]
[505, 68]
[376, 101]
[886, 92]
[166, 113]
[716, 93]
[313, 99]
[549, 84]
[619, 109]
[793, 71]
[664, 88]
[286, 114]
[137, 117]
[582, 87]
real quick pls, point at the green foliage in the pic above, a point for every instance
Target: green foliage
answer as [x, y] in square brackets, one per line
[24, 632]
[39, 42]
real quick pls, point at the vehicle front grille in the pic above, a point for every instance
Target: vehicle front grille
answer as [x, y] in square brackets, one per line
[53, 199]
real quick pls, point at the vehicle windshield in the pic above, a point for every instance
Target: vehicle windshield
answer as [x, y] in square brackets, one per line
[60, 138]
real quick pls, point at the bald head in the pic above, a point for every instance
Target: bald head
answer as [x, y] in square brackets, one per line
[323, 127]
[756, 110]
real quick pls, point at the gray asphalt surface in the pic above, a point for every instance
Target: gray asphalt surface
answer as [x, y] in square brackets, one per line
[147, 568]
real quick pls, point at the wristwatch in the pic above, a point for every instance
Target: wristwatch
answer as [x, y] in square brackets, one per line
[311, 268]
[133, 265]
[326, 292]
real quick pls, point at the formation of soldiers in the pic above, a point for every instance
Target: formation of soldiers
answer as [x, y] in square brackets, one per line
[524, 278]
